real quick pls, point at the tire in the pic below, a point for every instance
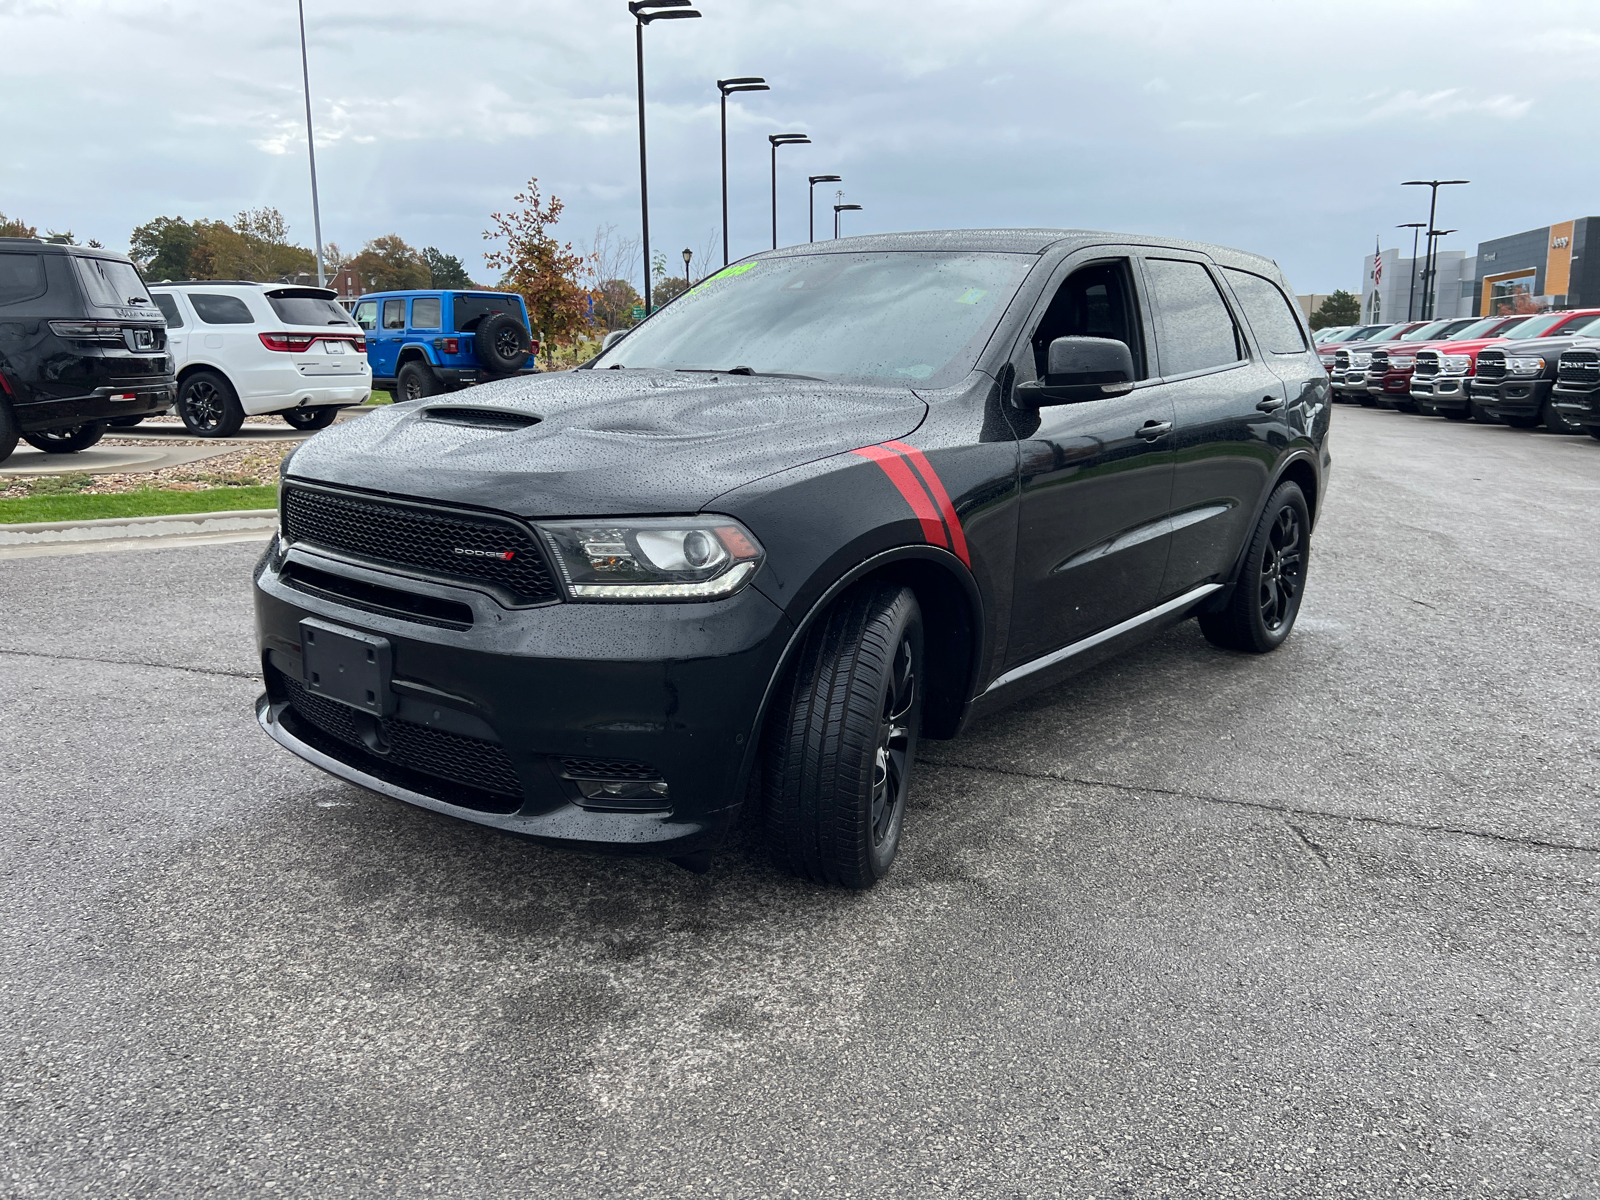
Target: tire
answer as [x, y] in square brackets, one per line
[1481, 414]
[126, 422]
[310, 418]
[415, 382]
[1520, 422]
[65, 441]
[1594, 432]
[1406, 406]
[1557, 421]
[9, 433]
[208, 406]
[841, 740]
[1367, 401]
[1266, 600]
[1455, 414]
[502, 343]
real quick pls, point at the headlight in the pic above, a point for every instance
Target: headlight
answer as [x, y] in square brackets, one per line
[1525, 366]
[657, 558]
[1454, 364]
[1403, 361]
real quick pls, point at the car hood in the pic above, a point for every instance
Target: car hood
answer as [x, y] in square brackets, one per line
[1541, 346]
[603, 442]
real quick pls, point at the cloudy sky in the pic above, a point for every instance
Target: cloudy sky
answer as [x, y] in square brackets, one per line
[1274, 125]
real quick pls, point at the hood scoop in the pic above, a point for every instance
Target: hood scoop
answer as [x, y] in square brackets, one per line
[480, 418]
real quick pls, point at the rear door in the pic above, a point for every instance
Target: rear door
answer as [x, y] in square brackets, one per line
[1230, 421]
[179, 326]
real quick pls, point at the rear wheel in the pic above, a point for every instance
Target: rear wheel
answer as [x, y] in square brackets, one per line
[310, 418]
[65, 441]
[416, 382]
[842, 737]
[1266, 600]
[1557, 421]
[208, 406]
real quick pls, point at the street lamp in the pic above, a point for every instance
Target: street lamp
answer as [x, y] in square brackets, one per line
[781, 139]
[741, 83]
[811, 200]
[643, 12]
[1433, 236]
[311, 145]
[1433, 205]
[839, 208]
[687, 255]
[1414, 226]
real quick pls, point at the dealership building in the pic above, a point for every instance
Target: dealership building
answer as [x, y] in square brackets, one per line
[1541, 268]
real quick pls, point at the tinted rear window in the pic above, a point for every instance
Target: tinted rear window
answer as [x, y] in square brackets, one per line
[425, 312]
[1196, 328]
[469, 310]
[169, 309]
[111, 284]
[1276, 325]
[309, 310]
[220, 310]
[21, 277]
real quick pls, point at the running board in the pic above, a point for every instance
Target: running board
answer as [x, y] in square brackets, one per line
[1097, 639]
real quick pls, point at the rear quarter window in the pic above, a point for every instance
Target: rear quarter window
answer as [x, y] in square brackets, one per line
[21, 277]
[425, 312]
[1271, 316]
[216, 309]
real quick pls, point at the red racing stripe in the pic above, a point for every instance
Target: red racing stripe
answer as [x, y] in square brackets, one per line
[906, 483]
[958, 537]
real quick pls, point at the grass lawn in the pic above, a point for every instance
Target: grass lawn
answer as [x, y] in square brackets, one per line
[147, 502]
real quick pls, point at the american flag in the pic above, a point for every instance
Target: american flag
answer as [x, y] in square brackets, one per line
[1377, 264]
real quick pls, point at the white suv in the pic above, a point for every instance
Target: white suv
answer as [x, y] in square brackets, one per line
[243, 349]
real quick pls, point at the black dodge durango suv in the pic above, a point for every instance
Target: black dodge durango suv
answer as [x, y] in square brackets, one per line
[81, 344]
[833, 499]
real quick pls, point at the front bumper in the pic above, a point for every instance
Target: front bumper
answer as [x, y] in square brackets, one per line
[1513, 397]
[1577, 403]
[1392, 387]
[1440, 392]
[490, 716]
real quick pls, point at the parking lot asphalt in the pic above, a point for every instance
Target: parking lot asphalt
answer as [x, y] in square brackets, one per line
[1324, 923]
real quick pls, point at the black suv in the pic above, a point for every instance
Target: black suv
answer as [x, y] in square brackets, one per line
[834, 498]
[1515, 381]
[81, 344]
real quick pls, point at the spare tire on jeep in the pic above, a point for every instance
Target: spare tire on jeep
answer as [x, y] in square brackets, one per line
[502, 343]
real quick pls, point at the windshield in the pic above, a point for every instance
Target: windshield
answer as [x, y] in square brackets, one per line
[1392, 334]
[887, 317]
[301, 309]
[1591, 328]
[1539, 326]
[111, 284]
[1426, 332]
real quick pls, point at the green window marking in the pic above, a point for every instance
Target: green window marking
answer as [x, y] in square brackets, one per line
[971, 296]
[725, 273]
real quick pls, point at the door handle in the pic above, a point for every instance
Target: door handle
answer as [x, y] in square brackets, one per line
[1270, 403]
[1151, 430]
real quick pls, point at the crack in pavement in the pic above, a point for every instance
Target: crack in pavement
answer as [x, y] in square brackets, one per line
[130, 662]
[1283, 810]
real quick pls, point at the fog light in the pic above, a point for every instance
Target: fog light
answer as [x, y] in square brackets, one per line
[621, 789]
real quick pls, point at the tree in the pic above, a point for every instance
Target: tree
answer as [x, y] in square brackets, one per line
[548, 275]
[264, 248]
[15, 227]
[256, 246]
[164, 248]
[614, 301]
[1341, 308]
[396, 266]
[446, 269]
[334, 259]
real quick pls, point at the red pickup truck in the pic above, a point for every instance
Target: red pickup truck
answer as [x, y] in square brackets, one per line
[1388, 375]
[1440, 382]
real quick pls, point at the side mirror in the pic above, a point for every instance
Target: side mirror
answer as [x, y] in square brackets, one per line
[1079, 369]
[612, 338]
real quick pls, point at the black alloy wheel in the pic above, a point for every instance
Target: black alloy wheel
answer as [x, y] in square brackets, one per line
[841, 739]
[1266, 599]
[416, 382]
[208, 406]
[65, 441]
[310, 418]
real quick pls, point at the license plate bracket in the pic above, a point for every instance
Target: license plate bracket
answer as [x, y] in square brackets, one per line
[348, 666]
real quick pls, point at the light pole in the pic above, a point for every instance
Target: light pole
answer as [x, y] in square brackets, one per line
[839, 208]
[311, 145]
[742, 83]
[1433, 206]
[811, 199]
[687, 255]
[1433, 243]
[1411, 296]
[643, 14]
[781, 139]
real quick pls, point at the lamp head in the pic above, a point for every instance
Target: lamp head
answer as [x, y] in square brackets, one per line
[644, 10]
[687, 255]
[816, 179]
[742, 83]
[788, 139]
[846, 207]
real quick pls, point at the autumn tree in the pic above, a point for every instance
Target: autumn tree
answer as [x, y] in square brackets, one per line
[14, 227]
[396, 266]
[255, 246]
[547, 274]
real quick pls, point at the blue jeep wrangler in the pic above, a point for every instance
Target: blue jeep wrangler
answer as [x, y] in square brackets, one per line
[423, 343]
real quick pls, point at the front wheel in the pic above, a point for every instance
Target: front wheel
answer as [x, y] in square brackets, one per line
[842, 737]
[1557, 421]
[1266, 599]
[65, 441]
[310, 418]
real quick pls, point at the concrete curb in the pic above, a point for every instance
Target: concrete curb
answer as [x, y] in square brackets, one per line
[246, 520]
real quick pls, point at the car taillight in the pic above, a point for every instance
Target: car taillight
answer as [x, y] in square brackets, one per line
[360, 344]
[292, 343]
[447, 345]
[88, 331]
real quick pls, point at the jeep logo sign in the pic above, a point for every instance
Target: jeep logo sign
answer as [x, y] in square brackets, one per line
[1560, 243]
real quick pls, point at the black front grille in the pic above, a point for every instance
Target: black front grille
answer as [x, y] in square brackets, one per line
[476, 764]
[608, 768]
[445, 543]
[1491, 365]
[1341, 360]
[1579, 366]
[1427, 363]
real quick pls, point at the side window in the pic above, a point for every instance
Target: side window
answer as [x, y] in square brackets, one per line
[1197, 332]
[394, 314]
[1094, 301]
[21, 277]
[220, 310]
[425, 312]
[367, 314]
[169, 309]
[1271, 316]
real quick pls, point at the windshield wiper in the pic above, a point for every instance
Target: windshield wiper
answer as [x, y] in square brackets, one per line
[744, 371]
